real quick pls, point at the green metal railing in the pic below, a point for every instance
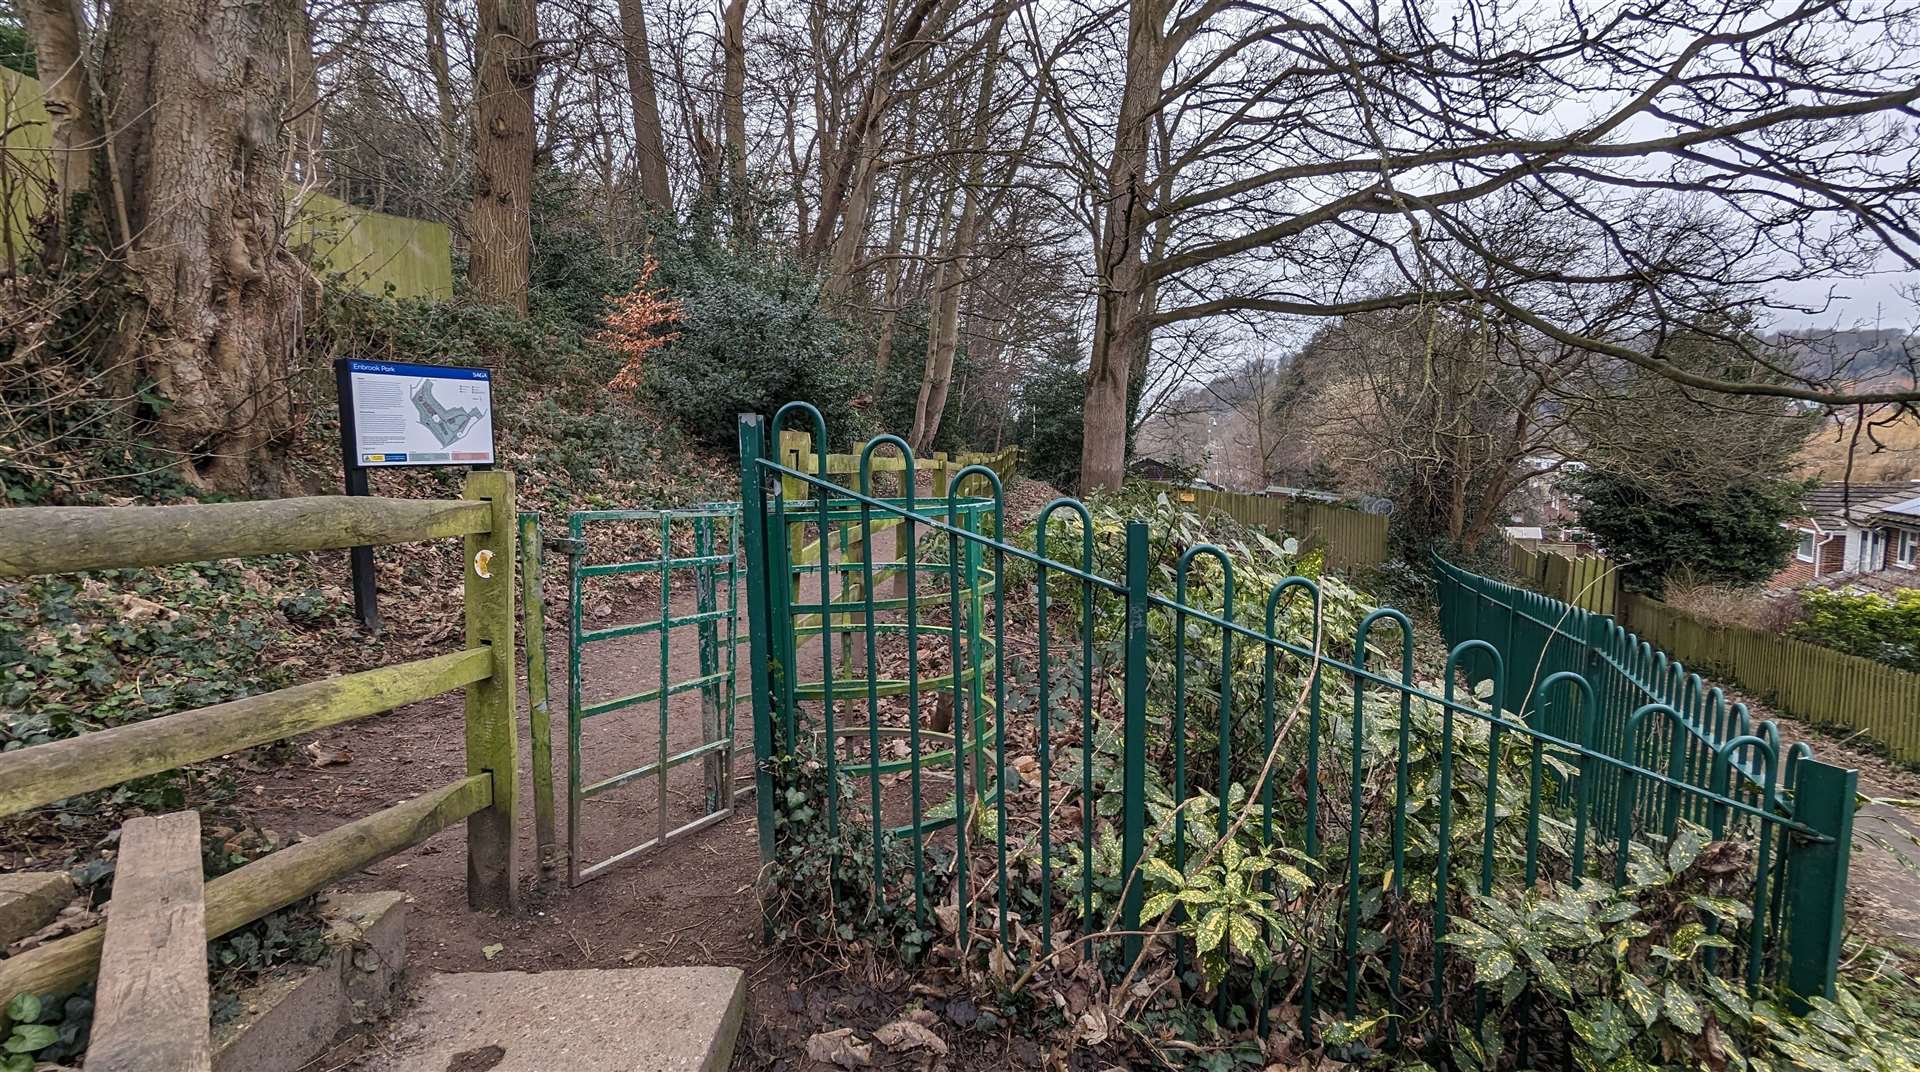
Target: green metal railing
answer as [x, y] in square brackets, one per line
[1565, 745]
[1650, 713]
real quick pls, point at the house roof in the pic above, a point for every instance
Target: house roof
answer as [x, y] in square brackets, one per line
[1900, 510]
[1833, 503]
[1880, 582]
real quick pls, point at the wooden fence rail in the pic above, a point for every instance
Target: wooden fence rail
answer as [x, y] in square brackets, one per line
[1354, 539]
[1804, 680]
[58, 539]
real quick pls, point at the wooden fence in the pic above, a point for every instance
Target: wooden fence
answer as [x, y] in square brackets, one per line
[1807, 681]
[797, 452]
[56, 539]
[1589, 582]
[1353, 538]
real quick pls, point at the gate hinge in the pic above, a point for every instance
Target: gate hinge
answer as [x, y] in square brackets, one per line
[566, 546]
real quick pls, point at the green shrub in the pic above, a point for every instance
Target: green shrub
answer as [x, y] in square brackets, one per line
[752, 336]
[1645, 978]
[1052, 401]
[1883, 628]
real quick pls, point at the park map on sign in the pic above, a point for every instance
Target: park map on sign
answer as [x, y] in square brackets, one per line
[447, 424]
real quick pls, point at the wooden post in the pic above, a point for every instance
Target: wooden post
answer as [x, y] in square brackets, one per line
[493, 745]
[533, 627]
[151, 1008]
[941, 476]
[795, 451]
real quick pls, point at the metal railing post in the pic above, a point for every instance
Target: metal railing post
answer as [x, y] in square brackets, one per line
[493, 742]
[753, 527]
[1816, 882]
[1134, 748]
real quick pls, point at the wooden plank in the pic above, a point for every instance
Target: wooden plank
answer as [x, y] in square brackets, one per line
[533, 632]
[151, 1009]
[493, 740]
[239, 897]
[44, 773]
[62, 539]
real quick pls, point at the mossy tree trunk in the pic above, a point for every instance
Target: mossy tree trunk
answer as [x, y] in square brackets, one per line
[196, 91]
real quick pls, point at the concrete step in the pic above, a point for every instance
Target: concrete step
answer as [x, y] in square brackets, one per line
[290, 1017]
[588, 1020]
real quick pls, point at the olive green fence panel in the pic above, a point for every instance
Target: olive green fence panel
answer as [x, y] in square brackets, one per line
[1010, 752]
[1807, 681]
[1589, 582]
[1353, 539]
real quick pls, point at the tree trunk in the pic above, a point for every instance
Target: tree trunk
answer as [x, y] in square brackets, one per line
[1121, 334]
[649, 138]
[943, 335]
[75, 129]
[501, 218]
[304, 122]
[733, 112]
[844, 260]
[197, 91]
[896, 240]
[448, 108]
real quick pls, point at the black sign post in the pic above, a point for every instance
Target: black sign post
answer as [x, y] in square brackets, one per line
[398, 414]
[366, 592]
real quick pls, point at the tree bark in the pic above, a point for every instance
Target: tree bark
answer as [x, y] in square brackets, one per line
[501, 217]
[54, 26]
[649, 138]
[448, 108]
[733, 112]
[1121, 333]
[196, 93]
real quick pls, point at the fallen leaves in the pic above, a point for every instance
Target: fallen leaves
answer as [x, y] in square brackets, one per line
[910, 1037]
[840, 1048]
[907, 1034]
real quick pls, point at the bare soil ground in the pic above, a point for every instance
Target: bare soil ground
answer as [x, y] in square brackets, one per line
[688, 902]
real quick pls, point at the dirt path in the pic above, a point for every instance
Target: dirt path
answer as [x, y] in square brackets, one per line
[690, 902]
[1883, 887]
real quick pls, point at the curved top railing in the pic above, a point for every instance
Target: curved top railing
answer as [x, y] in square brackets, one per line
[1628, 744]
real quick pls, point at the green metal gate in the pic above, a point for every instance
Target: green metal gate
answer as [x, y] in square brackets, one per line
[681, 569]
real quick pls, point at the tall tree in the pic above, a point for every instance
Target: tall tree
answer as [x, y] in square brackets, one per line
[196, 94]
[1319, 154]
[733, 110]
[649, 137]
[500, 221]
[56, 30]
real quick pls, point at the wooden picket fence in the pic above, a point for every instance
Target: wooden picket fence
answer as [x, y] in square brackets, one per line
[1807, 681]
[1589, 582]
[1353, 539]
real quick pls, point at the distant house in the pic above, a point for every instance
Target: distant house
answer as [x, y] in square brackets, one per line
[1167, 473]
[1854, 529]
[1896, 532]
